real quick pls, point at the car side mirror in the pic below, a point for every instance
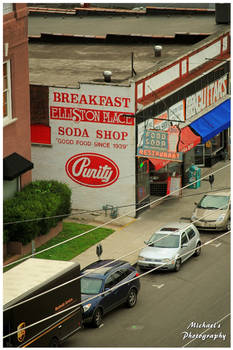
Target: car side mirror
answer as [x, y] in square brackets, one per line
[184, 245]
[146, 242]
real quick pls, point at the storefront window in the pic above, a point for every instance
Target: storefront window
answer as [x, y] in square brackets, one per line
[174, 169]
[217, 142]
[158, 175]
[208, 148]
[143, 181]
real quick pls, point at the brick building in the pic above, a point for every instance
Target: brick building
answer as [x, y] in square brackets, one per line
[16, 102]
[162, 105]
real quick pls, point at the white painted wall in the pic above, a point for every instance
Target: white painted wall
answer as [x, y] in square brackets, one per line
[82, 137]
[162, 79]
[203, 56]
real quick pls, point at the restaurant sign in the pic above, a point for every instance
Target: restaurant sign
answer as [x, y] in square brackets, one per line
[161, 144]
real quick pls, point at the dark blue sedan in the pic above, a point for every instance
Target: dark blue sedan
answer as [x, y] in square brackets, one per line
[117, 282]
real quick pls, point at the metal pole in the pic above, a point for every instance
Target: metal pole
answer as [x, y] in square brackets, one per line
[33, 248]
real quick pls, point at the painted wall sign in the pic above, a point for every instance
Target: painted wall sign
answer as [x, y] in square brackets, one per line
[160, 124]
[90, 115]
[92, 170]
[67, 104]
[206, 97]
[177, 112]
[92, 143]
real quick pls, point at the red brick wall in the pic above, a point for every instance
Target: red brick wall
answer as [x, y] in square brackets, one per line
[17, 249]
[16, 136]
[39, 104]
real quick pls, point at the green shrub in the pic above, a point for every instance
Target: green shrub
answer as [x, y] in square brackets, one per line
[38, 200]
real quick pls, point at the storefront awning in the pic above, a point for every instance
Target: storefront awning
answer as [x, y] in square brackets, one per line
[213, 122]
[159, 163]
[15, 165]
[188, 140]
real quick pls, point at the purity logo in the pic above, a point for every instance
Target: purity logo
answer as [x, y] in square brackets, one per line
[92, 170]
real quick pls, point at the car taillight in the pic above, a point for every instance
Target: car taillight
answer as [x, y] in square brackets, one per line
[137, 274]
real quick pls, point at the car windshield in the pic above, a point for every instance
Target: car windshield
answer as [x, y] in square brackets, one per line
[164, 240]
[90, 285]
[214, 202]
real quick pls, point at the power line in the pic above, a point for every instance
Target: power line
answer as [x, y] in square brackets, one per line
[123, 256]
[111, 289]
[87, 273]
[94, 210]
[64, 215]
[102, 210]
[109, 222]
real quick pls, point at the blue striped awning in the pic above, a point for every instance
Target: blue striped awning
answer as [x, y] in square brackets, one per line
[213, 122]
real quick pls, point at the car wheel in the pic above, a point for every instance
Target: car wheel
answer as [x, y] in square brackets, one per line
[54, 343]
[97, 318]
[177, 265]
[228, 227]
[132, 298]
[198, 249]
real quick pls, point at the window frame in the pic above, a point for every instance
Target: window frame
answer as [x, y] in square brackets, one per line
[113, 279]
[10, 188]
[190, 232]
[125, 272]
[183, 235]
[8, 118]
[7, 8]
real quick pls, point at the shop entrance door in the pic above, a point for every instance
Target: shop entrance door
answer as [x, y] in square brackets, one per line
[200, 155]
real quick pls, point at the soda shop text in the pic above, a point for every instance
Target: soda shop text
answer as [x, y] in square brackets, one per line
[102, 137]
[100, 134]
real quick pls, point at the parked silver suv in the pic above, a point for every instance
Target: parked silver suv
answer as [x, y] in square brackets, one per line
[170, 246]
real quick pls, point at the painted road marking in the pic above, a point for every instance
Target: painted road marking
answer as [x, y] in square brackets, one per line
[158, 285]
[216, 245]
[129, 223]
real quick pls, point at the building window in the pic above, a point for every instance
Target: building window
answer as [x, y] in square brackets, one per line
[10, 188]
[7, 113]
[7, 8]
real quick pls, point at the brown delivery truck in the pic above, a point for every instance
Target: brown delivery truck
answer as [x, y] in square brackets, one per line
[28, 299]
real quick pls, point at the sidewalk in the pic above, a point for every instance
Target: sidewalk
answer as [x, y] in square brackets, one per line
[130, 234]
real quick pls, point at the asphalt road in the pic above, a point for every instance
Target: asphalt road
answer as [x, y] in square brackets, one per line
[171, 306]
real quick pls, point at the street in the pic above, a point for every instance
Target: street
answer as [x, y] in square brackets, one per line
[173, 308]
[172, 305]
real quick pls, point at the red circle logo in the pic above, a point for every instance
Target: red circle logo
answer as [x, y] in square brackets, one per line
[92, 170]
